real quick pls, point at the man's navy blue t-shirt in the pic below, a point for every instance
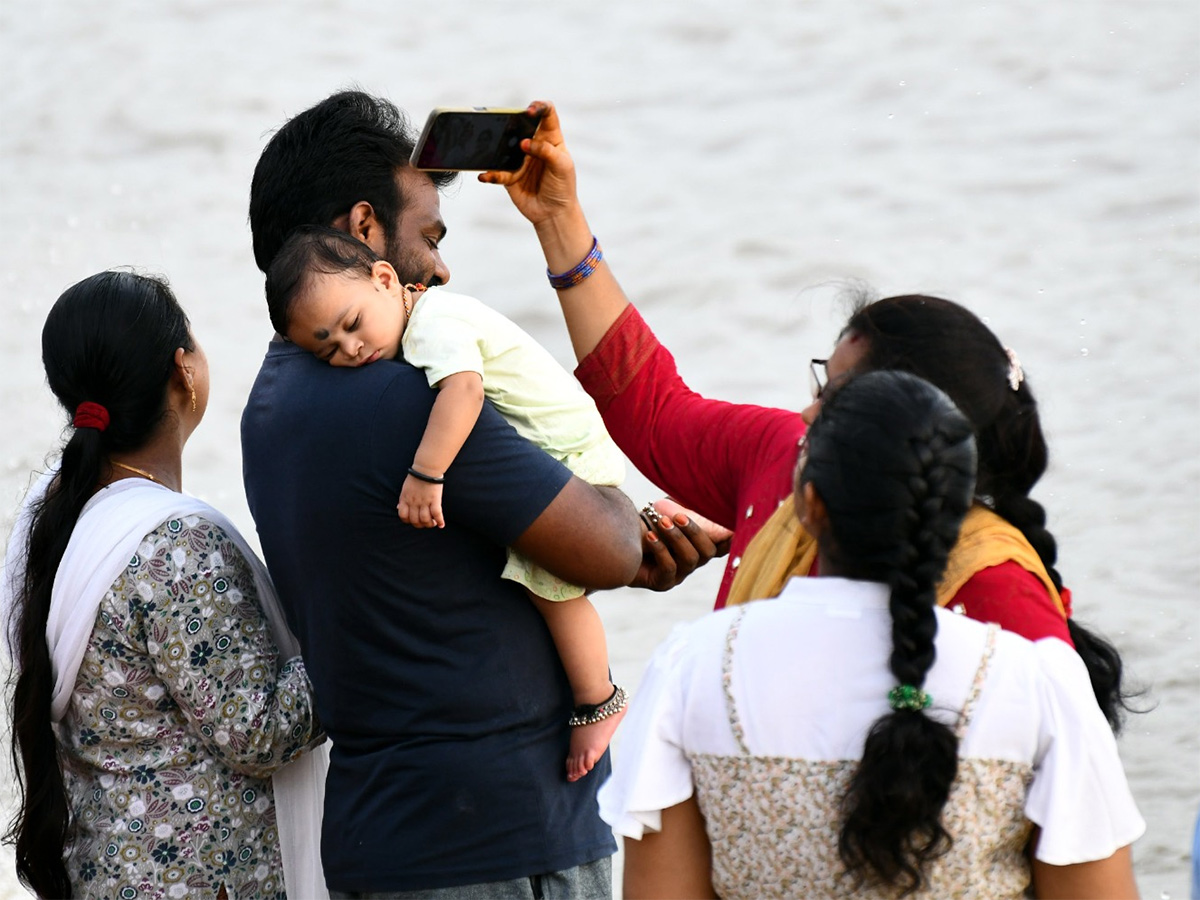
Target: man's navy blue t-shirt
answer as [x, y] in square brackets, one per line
[437, 681]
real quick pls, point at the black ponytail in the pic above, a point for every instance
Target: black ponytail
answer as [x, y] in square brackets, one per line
[111, 340]
[894, 463]
[950, 347]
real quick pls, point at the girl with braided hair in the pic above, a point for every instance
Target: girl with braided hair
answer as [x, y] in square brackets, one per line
[853, 739]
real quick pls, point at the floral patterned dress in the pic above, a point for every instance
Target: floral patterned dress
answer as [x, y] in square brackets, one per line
[180, 714]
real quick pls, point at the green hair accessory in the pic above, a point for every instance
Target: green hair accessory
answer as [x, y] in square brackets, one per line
[908, 696]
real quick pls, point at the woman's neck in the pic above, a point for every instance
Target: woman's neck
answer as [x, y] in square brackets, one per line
[160, 461]
[826, 566]
[164, 472]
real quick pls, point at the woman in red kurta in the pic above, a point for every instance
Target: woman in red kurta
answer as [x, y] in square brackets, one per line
[733, 463]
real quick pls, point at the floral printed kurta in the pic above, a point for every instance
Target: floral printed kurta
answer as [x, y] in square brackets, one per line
[180, 714]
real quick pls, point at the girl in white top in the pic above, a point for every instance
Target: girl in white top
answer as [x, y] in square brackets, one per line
[761, 757]
[330, 294]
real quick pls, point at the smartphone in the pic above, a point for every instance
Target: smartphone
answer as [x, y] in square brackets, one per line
[478, 139]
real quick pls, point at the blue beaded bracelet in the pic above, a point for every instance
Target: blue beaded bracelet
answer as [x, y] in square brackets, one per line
[585, 268]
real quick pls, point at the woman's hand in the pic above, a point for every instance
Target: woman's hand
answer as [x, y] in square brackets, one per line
[544, 187]
[718, 534]
[677, 544]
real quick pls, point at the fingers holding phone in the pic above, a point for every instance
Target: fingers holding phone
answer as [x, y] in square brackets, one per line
[544, 188]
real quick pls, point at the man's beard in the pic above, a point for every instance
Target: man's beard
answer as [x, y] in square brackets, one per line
[407, 265]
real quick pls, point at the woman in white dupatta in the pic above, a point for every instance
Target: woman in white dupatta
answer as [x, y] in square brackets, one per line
[161, 712]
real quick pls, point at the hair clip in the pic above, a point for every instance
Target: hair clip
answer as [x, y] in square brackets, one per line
[908, 697]
[1015, 373]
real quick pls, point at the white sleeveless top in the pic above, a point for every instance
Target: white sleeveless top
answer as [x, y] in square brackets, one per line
[762, 711]
[768, 817]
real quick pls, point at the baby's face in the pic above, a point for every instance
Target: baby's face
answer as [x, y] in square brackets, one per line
[348, 319]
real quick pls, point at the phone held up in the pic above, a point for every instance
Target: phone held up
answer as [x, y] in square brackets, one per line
[476, 140]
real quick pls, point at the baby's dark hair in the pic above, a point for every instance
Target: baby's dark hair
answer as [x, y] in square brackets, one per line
[311, 250]
[893, 461]
[950, 346]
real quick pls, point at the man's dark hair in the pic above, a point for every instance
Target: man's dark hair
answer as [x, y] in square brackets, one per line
[321, 162]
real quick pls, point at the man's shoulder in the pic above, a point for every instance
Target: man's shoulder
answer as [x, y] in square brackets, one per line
[293, 387]
[287, 363]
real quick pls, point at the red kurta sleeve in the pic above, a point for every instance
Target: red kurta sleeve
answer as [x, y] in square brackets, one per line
[707, 454]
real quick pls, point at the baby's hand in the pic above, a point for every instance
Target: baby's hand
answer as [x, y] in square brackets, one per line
[421, 504]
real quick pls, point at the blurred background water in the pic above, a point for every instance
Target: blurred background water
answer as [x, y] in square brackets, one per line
[741, 164]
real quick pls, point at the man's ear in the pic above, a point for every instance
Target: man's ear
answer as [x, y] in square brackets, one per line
[362, 223]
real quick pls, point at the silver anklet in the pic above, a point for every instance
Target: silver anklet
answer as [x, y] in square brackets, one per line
[590, 714]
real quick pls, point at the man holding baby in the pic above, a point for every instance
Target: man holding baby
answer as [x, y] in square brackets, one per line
[436, 680]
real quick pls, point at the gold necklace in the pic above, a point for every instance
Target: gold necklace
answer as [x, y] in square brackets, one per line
[135, 470]
[407, 292]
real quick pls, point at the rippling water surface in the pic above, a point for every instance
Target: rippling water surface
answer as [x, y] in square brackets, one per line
[1038, 162]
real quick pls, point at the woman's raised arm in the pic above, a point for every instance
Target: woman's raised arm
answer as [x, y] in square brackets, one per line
[543, 189]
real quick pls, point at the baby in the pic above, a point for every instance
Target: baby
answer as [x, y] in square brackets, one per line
[330, 294]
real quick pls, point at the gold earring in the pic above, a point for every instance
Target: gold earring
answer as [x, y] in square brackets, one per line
[193, 399]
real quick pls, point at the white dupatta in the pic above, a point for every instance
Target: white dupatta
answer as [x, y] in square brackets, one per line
[110, 529]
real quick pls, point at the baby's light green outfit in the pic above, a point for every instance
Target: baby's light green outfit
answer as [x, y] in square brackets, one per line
[448, 333]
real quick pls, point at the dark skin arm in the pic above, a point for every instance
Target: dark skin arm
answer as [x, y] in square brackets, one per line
[593, 536]
[588, 535]
[544, 191]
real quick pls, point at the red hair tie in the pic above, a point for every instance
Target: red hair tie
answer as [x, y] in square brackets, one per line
[90, 415]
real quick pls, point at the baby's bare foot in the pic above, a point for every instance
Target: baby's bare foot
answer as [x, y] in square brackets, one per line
[589, 741]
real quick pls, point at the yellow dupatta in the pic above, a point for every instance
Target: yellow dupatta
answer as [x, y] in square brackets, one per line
[782, 548]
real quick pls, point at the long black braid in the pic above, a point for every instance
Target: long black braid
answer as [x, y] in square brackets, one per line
[893, 461]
